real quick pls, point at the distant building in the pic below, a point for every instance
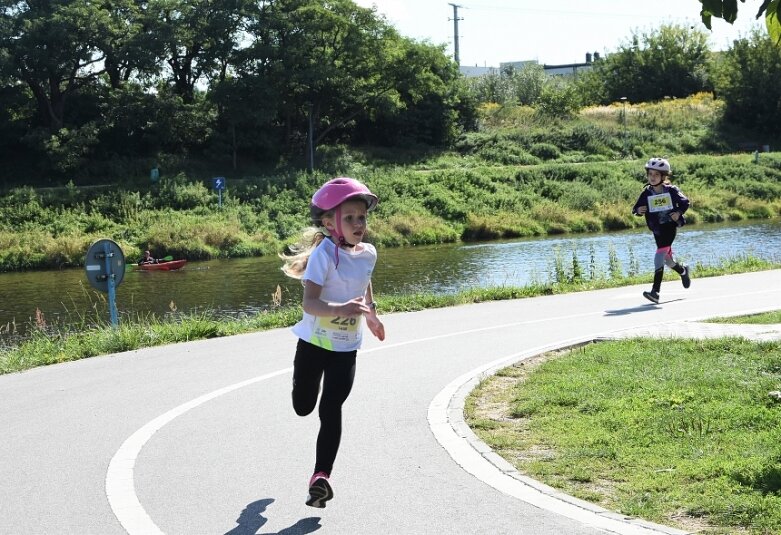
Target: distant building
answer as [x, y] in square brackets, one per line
[470, 72]
[569, 69]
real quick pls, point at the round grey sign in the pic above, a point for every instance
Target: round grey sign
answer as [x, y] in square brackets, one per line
[98, 270]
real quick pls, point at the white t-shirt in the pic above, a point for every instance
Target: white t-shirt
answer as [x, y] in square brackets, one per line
[348, 281]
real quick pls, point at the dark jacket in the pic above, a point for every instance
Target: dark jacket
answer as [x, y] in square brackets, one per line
[655, 220]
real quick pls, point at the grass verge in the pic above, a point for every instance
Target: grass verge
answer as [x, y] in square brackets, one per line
[680, 432]
[765, 318]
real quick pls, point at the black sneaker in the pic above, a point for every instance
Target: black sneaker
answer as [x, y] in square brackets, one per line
[652, 296]
[320, 491]
[685, 279]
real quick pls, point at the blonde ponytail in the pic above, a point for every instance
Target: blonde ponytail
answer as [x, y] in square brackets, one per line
[295, 262]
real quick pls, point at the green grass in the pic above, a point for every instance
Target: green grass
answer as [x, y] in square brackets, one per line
[673, 431]
[764, 318]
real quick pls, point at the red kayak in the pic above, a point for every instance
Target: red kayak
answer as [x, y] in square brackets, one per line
[163, 266]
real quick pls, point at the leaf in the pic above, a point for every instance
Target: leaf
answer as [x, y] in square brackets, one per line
[772, 22]
[729, 10]
[711, 8]
[763, 7]
[706, 19]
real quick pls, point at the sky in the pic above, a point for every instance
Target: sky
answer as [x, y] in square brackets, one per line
[554, 32]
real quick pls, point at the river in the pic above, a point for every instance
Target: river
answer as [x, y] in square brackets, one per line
[243, 286]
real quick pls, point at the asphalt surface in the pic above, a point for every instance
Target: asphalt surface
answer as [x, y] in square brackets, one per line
[201, 438]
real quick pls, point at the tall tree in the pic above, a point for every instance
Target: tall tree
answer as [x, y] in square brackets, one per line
[198, 38]
[52, 46]
[336, 63]
[748, 80]
[667, 62]
[131, 45]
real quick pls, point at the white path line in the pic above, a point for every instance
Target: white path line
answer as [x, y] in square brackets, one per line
[120, 487]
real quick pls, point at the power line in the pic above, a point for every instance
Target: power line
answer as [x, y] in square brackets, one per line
[601, 14]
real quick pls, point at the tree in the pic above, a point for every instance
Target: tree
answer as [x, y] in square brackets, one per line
[427, 104]
[131, 45]
[52, 47]
[198, 38]
[667, 62]
[728, 10]
[748, 80]
[336, 64]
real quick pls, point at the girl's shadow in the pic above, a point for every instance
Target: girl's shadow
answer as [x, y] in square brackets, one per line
[251, 520]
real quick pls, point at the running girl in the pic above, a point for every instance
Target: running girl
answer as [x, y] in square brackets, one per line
[335, 267]
[663, 206]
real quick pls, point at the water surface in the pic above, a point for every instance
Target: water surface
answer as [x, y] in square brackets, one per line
[240, 286]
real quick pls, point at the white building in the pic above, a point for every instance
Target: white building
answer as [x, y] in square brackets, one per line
[471, 72]
[569, 69]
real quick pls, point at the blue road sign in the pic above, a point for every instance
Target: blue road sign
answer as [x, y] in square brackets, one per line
[218, 183]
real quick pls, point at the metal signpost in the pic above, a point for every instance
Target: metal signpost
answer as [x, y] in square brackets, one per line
[624, 100]
[105, 266]
[218, 183]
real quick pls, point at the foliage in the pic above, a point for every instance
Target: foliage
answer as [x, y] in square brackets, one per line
[521, 86]
[232, 83]
[545, 151]
[42, 228]
[558, 99]
[666, 62]
[753, 62]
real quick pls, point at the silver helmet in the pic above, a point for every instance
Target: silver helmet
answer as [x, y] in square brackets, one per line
[659, 164]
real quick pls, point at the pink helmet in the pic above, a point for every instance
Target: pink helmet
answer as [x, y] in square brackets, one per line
[659, 164]
[335, 192]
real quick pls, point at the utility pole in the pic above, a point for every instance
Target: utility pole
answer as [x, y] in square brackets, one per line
[455, 20]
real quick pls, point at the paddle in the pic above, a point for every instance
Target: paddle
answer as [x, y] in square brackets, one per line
[164, 259]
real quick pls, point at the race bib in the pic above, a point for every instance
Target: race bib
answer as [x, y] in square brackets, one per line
[335, 329]
[660, 203]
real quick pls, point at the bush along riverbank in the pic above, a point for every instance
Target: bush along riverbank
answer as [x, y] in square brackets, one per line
[50, 344]
[180, 217]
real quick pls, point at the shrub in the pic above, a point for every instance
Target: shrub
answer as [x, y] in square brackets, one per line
[500, 225]
[545, 151]
[180, 194]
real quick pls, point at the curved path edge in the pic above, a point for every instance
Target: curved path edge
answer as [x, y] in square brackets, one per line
[120, 480]
[446, 419]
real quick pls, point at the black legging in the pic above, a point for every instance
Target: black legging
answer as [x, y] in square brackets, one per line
[665, 236]
[337, 369]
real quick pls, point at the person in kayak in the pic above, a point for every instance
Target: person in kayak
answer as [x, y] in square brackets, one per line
[335, 266]
[663, 206]
[147, 259]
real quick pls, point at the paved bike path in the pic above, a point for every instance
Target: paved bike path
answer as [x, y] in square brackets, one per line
[201, 438]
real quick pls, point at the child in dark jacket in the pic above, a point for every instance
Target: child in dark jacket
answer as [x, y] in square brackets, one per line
[663, 206]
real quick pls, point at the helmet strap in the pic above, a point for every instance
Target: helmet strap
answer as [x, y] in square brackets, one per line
[338, 225]
[338, 234]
